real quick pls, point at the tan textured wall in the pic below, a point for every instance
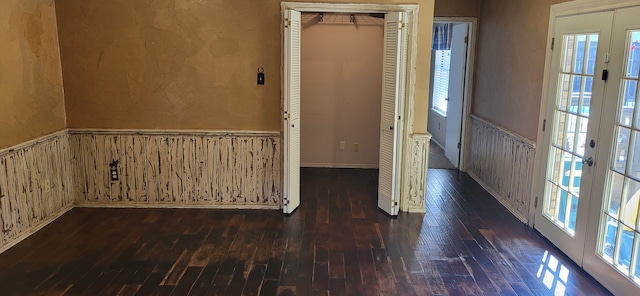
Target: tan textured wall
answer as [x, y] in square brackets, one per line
[510, 64]
[453, 8]
[341, 91]
[31, 97]
[184, 64]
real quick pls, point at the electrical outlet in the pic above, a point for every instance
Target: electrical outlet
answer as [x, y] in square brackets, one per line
[113, 170]
[47, 185]
[356, 147]
[342, 143]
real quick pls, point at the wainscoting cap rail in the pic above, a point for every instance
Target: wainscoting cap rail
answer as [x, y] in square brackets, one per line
[172, 132]
[421, 136]
[515, 136]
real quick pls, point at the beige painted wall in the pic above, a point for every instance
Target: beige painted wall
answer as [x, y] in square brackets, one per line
[510, 64]
[31, 96]
[453, 8]
[341, 91]
[185, 64]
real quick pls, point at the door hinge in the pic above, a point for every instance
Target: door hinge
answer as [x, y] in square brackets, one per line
[553, 43]
[401, 25]
[544, 125]
[395, 203]
[286, 202]
[466, 39]
[535, 204]
[459, 145]
[287, 23]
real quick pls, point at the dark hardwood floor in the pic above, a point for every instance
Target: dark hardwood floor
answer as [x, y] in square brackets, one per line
[336, 243]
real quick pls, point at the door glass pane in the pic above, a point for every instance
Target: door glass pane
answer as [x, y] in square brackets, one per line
[565, 91]
[622, 149]
[571, 133]
[633, 163]
[567, 52]
[610, 242]
[616, 195]
[576, 93]
[580, 57]
[626, 108]
[559, 135]
[619, 226]
[593, 46]
[586, 97]
[571, 119]
[581, 139]
[633, 60]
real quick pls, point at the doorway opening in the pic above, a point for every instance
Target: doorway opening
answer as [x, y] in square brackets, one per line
[452, 61]
[400, 44]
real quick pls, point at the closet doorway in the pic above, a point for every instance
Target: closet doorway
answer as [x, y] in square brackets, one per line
[400, 43]
[341, 90]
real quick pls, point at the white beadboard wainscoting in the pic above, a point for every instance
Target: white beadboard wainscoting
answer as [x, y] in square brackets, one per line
[415, 174]
[35, 186]
[503, 163]
[177, 169]
[42, 179]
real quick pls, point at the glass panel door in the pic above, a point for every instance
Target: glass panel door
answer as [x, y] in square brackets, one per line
[613, 242]
[573, 118]
[619, 223]
[569, 133]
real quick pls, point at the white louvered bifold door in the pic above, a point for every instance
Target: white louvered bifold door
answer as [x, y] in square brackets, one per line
[393, 87]
[291, 116]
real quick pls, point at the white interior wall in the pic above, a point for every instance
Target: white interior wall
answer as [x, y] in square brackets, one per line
[341, 89]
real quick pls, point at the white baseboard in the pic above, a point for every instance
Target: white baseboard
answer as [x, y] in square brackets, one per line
[437, 143]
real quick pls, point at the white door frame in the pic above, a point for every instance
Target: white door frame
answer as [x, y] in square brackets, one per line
[411, 11]
[465, 132]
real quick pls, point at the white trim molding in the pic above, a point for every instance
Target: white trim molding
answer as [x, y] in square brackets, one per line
[503, 163]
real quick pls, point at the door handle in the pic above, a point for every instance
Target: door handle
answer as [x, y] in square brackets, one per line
[588, 161]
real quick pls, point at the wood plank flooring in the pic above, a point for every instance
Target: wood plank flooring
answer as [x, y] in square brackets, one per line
[336, 243]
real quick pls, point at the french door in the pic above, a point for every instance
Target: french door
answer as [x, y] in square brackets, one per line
[592, 180]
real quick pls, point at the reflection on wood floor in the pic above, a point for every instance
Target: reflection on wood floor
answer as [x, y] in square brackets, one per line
[336, 243]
